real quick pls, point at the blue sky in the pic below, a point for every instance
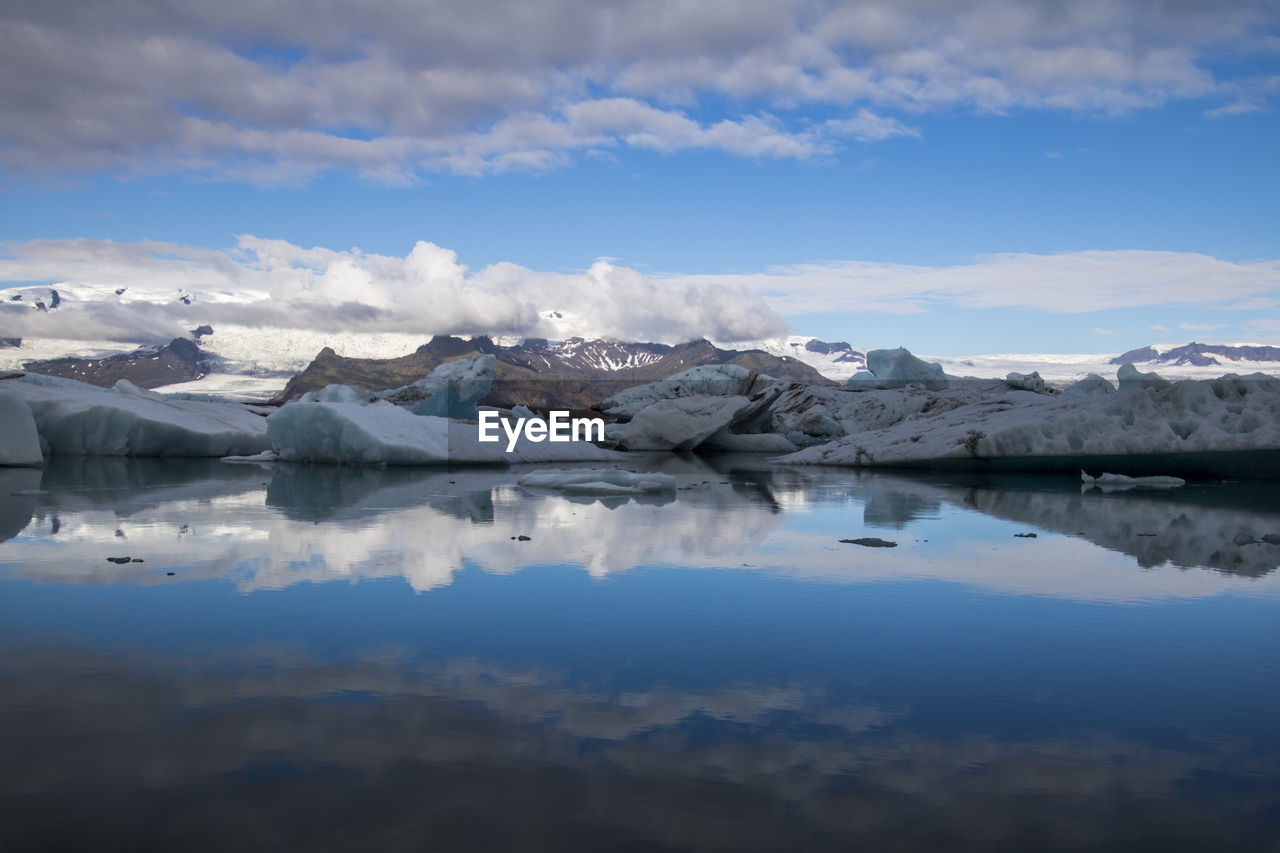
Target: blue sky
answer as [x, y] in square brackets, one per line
[987, 177]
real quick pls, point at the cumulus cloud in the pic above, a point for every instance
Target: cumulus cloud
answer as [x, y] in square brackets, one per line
[392, 91]
[166, 288]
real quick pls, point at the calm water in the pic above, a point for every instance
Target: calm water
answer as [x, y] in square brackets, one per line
[336, 659]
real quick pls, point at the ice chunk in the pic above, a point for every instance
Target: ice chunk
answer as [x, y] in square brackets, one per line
[894, 368]
[338, 394]
[1091, 384]
[20, 445]
[595, 481]
[452, 390]
[78, 419]
[680, 424]
[1120, 482]
[1029, 382]
[707, 380]
[384, 434]
[1228, 414]
[766, 442]
[264, 456]
[1132, 379]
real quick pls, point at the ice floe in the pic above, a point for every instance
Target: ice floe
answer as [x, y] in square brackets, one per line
[75, 418]
[1120, 482]
[596, 481]
[384, 434]
[1232, 413]
[680, 424]
[21, 443]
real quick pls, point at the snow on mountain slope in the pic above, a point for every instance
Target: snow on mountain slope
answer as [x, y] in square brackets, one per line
[836, 360]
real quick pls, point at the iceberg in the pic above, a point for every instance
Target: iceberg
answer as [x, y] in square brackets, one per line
[707, 380]
[21, 444]
[896, 368]
[595, 481]
[453, 390]
[1120, 482]
[75, 418]
[680, 424]
[1029, 382]
[381, 433]
[1229, 414]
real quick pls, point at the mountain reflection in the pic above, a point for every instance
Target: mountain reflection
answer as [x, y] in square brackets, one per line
[274, 750]
[268, 527]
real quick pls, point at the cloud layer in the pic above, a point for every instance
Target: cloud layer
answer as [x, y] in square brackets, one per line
[169, 288]
[394, 90]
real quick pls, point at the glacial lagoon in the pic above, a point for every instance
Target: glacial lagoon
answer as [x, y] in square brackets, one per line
[327, 658]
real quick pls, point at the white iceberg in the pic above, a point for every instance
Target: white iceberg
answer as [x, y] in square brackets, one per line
[896, 368]
[452, 390]
[596, 481]
[707, 380]
[1025, 382]
[384, 434]
[1228, 414]
[75, 418]
[21, 444]
[680, 424]
[1121, 482]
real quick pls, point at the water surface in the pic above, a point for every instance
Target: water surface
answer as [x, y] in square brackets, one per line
[328, 658]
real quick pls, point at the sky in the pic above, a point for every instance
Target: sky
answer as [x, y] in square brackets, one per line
[957, 178]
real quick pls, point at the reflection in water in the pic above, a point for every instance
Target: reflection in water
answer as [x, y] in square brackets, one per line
[709, 670]
[276, 751]
[270, 527]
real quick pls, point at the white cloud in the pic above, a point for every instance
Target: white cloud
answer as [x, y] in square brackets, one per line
[274, 283]
[263, 282]
[1066, 283]
[393, 90]
[1164, 330]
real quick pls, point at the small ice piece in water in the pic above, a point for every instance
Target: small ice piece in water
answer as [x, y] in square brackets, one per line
[1117, 482]
[597, 481]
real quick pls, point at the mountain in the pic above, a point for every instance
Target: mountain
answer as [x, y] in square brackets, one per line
[1199, 355]
[573, 374]
[835, 360]
[180, 360]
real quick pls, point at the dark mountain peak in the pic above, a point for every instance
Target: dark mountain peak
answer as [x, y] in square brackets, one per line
[1137, 356]
[180, 360]
[824, 348]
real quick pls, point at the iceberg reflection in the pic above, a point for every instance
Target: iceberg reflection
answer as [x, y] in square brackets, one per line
[272, 527]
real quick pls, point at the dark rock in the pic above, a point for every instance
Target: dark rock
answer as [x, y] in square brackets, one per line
[119, 561]
[522, 538]
[871, 542]
[1025, 535]
[1272, 538]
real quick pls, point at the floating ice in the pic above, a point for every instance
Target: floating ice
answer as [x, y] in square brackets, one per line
[452, 390]
[680, 424]
[896, 368]
[707, 380]
[21, 444]
[384, 434]
[1120, 482]
[1132, 379]
[75, 418]
[1028, 382]
[1228, 414]
[1091, 384]
[595, 481]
